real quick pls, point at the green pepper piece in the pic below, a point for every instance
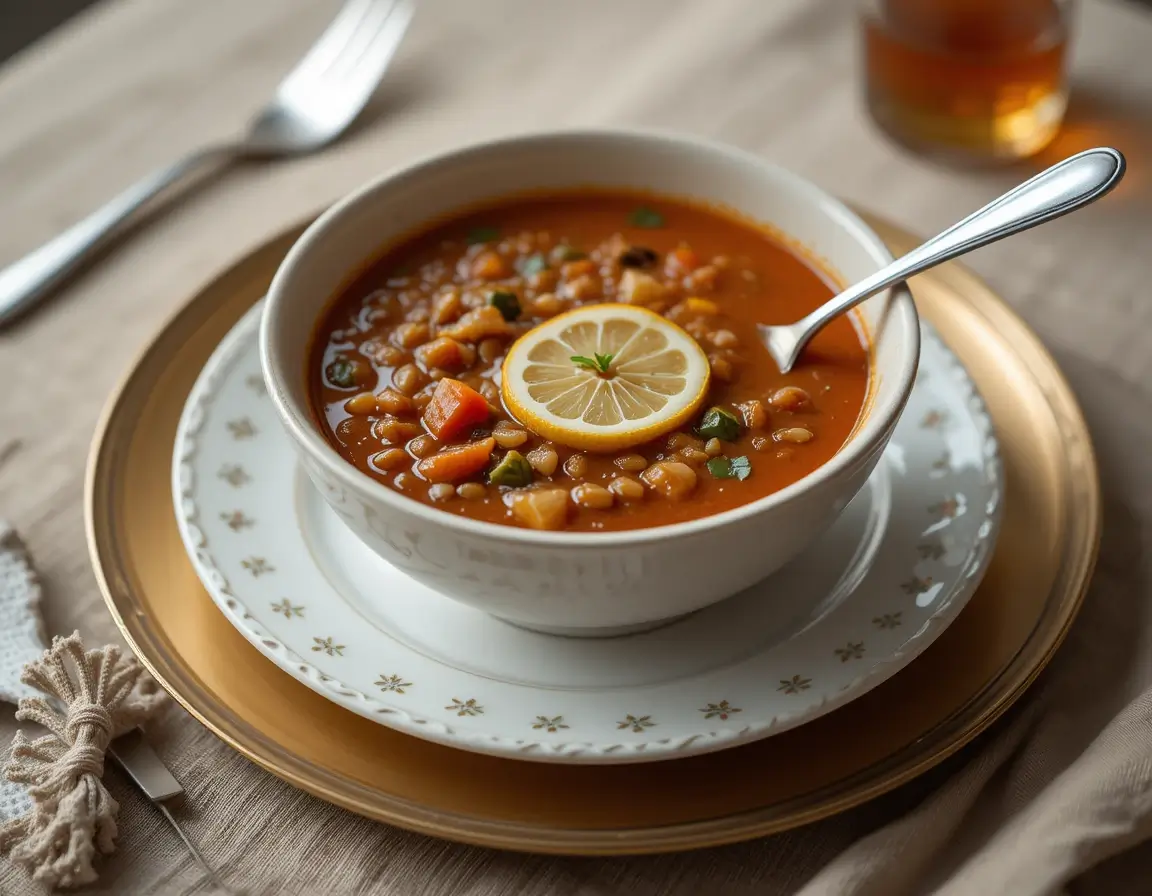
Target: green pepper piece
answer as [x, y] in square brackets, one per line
[341, 373]
[718, 423]
[513, 471]
[506, 303]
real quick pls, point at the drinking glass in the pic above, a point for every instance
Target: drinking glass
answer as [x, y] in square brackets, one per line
[967, 80]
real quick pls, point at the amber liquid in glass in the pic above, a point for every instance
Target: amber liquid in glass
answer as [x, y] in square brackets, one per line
[967, 79]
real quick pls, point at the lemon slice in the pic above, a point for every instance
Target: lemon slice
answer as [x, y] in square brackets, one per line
[655, 380]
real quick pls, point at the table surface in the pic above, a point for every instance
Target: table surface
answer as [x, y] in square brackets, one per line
[130, 85]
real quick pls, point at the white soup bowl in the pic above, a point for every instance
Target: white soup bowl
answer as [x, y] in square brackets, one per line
[585, 583]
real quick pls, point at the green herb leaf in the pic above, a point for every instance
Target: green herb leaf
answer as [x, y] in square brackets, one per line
[720, 467]
[730, 467]
[741, 467]
[598, 363]
[513, 471]
[717, 423]
[532, 265]
[647, 218]
[506, 303]
[482, 235]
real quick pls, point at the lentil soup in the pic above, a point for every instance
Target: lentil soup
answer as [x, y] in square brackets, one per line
[405, 367]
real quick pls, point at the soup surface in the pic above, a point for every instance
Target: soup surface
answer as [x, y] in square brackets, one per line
[405, 370]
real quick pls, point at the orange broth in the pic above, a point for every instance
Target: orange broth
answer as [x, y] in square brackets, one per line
[554, 253]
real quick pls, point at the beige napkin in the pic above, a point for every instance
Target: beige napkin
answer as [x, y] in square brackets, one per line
[56, 815]
[1097, 807]
[21, 641]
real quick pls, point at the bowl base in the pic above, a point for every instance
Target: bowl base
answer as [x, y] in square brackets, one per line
[613, 631]
[432, 623]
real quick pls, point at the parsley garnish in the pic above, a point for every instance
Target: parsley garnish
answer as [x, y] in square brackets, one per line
[718, 423]
[730, 467]
[598, 363]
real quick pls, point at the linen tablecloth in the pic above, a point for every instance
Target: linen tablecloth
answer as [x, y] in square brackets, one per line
[132, 84]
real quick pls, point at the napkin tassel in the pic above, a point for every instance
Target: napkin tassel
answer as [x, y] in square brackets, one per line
[73, 818]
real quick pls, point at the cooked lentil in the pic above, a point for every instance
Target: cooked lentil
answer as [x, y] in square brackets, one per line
[442, 307]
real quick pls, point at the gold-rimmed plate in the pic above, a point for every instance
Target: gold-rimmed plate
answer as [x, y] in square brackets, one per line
[979, 666]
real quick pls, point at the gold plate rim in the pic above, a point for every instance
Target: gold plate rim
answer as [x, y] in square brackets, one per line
[984, 707]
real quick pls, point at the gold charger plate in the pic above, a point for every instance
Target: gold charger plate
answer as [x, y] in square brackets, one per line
[955, 690]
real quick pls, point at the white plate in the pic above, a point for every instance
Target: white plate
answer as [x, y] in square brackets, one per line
[865, 600]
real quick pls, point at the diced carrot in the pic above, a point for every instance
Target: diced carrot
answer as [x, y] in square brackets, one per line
[489, 266]
[453, 408]
[458, 462]
[686, 260]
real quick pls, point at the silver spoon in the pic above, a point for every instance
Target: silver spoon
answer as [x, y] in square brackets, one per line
[313, 106]
[1066, 186]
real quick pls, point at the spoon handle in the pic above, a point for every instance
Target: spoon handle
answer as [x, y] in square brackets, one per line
[1065, 187]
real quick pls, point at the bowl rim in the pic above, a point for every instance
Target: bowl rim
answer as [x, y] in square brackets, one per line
[301, 427]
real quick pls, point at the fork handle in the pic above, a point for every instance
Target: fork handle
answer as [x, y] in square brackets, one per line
[29, 279]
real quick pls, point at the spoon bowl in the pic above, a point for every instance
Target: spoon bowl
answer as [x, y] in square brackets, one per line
[1065, 187]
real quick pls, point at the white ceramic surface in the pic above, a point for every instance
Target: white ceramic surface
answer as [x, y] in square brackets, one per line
[584, 583]
[866, 598]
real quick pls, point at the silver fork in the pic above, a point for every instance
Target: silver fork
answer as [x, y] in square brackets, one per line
[133, 754]
[313, 106]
